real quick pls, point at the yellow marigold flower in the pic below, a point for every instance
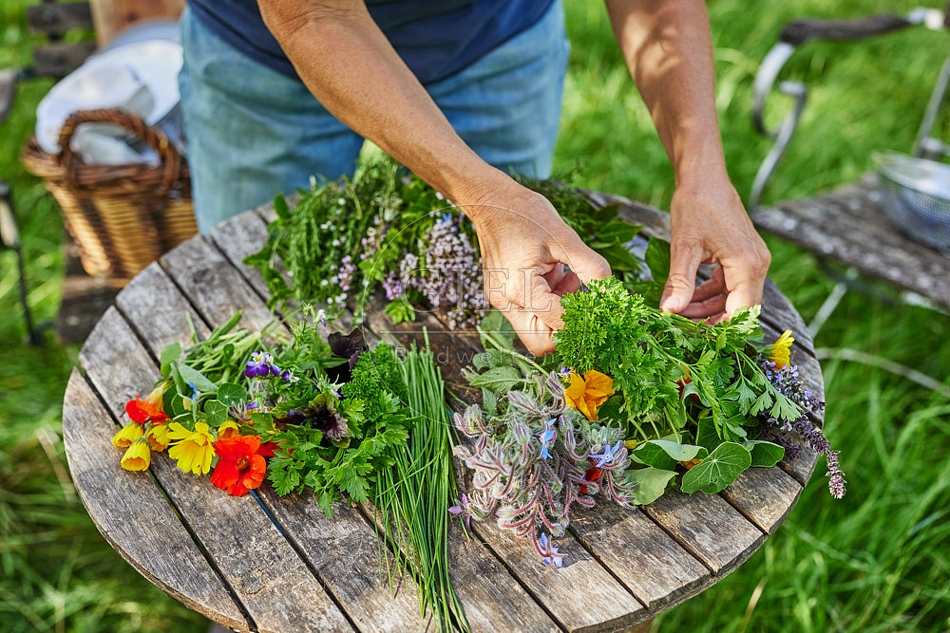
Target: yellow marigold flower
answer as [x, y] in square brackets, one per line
[228, 428]
[588, 393]
[782, 350]
[137, 456]
[192, 450]
[158, 437]
[128, 434]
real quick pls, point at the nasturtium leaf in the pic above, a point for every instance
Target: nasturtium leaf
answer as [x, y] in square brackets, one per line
[718, 470]
[706, 433]
[764, 454]
[174, 404]
[231, 394]
[664, 454]
[194, 377]
[170, 354]
[651, 483]
[216, 412]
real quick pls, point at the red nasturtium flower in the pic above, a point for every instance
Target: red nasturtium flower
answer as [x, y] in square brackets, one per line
[241, 465]
[148, 410]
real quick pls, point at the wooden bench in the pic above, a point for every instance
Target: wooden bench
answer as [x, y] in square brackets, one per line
[849, 226]
[269, 563]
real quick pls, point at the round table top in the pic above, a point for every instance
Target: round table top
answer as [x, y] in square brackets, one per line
[268, 563]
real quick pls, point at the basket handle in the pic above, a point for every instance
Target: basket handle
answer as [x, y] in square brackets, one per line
[153, 136]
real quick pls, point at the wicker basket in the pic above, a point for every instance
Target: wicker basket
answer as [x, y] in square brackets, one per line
[123, 217]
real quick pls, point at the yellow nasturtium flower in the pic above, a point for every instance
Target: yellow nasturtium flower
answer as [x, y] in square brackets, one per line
[227, 429]
[588, 393]
[137, 456]
[128, 434]
[192, 450]
[158, 437]
[782, 350]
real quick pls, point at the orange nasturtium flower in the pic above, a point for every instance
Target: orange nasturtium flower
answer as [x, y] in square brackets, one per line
[241, 464]
[128, 434]
[137, 456]
[150, 409]
[781, 350]
[192, 450]
[588, 393]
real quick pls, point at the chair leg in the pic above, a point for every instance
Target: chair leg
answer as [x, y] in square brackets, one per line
[10, 237]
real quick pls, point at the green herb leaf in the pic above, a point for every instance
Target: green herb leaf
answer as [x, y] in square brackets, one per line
[764, 454]
[231, 394]
[718, 470]
[651, 483]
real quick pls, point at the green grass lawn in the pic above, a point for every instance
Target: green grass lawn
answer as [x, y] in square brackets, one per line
[874, 561]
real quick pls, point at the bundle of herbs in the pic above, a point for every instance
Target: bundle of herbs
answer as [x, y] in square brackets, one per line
[318, 413]
[633, 402]
[386, 232]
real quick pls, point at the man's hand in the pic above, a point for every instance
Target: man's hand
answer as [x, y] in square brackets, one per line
[531, 258]
[712, 227]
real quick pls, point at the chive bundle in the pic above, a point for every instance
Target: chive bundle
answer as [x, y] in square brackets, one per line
[413, 497]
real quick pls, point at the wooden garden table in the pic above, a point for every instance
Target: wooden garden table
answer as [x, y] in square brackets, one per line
[268, 563]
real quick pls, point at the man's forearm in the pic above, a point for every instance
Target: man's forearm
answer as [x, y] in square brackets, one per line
[349, 65]
[668, 49]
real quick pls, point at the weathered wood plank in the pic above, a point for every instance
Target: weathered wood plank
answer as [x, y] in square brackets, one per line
[113, 497]
[151, 297]
[210, 282]
[850, 225]
[264, 571]
[490, 597]
[764, 495]
[566, 592]
[708, 527]
[239, 237]
[345, 551]
[656, 568]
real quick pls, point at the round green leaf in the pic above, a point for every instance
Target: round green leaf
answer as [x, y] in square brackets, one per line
[718, 470]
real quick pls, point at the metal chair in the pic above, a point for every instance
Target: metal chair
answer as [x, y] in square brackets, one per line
[855, 225]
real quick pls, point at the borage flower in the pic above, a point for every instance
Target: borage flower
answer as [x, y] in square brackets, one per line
[150, 409]
[192, 450]
[241, 464]
[588, 393]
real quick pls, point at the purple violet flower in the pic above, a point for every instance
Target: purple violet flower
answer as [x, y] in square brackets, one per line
[461, 508]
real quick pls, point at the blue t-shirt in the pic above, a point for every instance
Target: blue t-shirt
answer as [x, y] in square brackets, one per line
[436, 38]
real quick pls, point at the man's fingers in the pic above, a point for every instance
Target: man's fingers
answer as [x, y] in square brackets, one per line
[681, 283]
[537, 337]
[588, 265]
[705, 308]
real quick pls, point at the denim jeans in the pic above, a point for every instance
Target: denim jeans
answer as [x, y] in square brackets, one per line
[253, 133]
